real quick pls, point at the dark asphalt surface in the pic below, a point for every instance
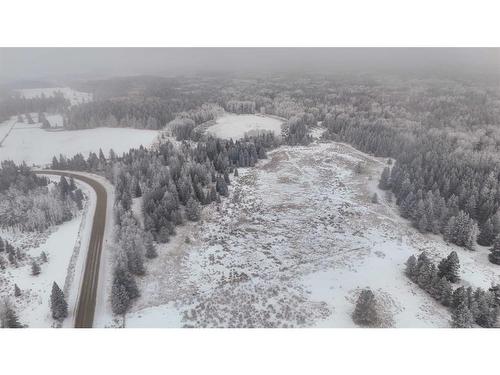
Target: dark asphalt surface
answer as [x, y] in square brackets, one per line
[88, 290]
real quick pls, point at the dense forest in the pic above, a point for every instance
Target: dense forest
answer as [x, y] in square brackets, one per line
[28, 202]
[445, 142]
[14, 105]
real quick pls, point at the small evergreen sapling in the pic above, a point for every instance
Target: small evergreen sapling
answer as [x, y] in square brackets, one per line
[150, 248]
[35, 269]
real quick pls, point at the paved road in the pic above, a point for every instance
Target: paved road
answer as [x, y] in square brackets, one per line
[87, 299]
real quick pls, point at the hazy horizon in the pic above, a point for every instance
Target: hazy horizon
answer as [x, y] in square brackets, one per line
[53, 64]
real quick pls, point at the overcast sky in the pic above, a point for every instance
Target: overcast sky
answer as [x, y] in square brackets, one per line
[63, 63]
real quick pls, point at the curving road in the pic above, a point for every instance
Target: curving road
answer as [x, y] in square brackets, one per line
[88, 289]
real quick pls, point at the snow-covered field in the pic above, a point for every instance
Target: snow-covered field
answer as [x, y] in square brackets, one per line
[33, 145]
[65, 246]
[75, 97]
[235, 126]
[292, 246]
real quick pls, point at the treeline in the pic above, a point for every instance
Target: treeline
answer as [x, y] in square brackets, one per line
[28, 202]
[185, 125]
[142, 113]
[15, 105]
[440, 173]
[240, 106]
[14, 255]
[296, 130]
[467, 305]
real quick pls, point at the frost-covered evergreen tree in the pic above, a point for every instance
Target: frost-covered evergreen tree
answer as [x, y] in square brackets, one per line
[35, 269]
[8, 316]
[487, 233]
[494, 255]
[365, 312]
[17, 291]
[461, 230]
[193, 210]
[150, 247]
[221, 187]
[58, 305]
[449, 267]
[461, 317]
[411, 267]
[124, 289]
[384, 182]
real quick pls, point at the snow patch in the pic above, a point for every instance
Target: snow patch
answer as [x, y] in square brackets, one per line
[235, 126]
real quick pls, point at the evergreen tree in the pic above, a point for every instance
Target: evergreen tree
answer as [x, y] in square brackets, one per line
[411, 267]
[461, 316]
[63, 187]
[17, 291]
[58, 304]
[120, 299]
[365, 312]
[35, 268]
[43, 257]
[449, 267]
[8, 316]
[150, 248]
[78, 198]
[486, 233]
[494, 255]
[384, 182]
[193, 210]
[221, 187]
[446, 292]
[123, 290]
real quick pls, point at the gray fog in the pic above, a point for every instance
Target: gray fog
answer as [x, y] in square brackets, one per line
[71, 63]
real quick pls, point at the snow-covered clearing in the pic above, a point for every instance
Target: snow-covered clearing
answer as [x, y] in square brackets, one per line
[292, 246]
[65, 246]
[75, 97]
[235, 126]
[34, 145]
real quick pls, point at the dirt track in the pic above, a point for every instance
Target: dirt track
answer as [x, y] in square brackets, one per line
[88, 290]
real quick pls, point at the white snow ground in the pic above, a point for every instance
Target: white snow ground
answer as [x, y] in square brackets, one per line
[75, 97]
[65, 246]
[37, 146]
[235, 126]
[292, 246]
